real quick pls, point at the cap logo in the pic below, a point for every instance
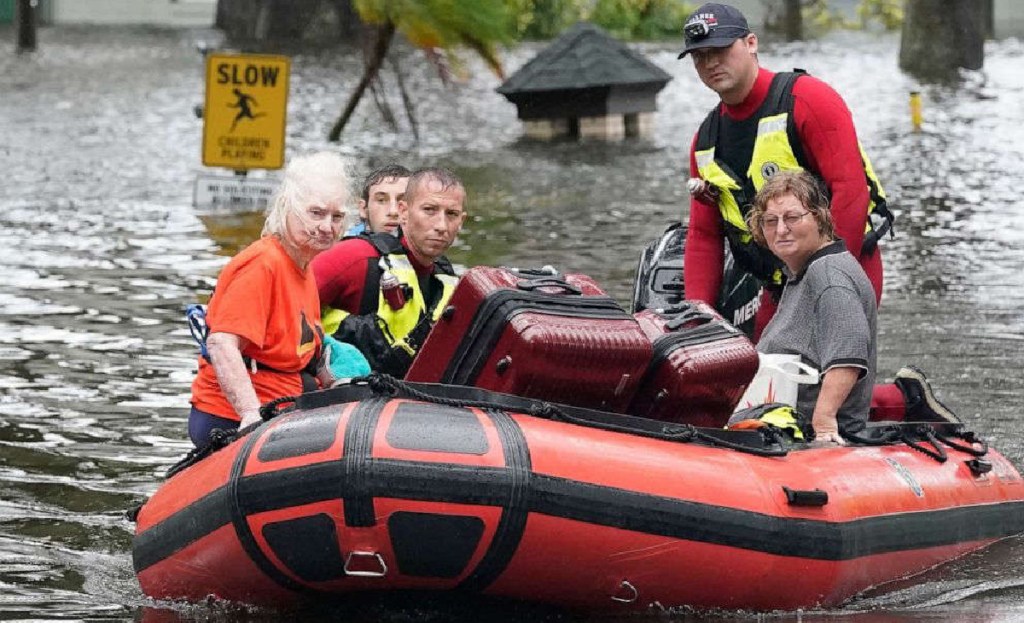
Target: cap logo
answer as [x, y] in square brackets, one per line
[769, 169]
[709, 18]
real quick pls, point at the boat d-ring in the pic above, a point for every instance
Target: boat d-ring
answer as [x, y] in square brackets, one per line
[379, 572]
[626, 593]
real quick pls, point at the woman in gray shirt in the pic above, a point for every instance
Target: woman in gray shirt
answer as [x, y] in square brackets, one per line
[827, 313]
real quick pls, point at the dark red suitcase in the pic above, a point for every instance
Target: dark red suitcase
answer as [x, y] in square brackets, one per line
[700, 366]
[535, 334]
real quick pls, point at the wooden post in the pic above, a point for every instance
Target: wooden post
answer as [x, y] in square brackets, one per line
[26, 25]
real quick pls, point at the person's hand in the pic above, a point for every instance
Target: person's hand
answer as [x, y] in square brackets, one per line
[324, 376]
[827, 439]
[250, 417]
[826, 430]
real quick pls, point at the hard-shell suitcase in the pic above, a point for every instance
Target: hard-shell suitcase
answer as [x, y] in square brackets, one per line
[699, 369]
[536, 334]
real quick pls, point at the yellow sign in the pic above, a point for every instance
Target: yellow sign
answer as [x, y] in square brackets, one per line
[245, 112]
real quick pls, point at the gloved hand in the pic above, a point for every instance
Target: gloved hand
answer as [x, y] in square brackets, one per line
[344, 360]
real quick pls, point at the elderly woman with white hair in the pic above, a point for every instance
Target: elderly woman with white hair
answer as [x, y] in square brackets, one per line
[265, 340]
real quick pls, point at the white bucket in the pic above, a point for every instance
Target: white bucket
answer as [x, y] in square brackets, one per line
[776, 380]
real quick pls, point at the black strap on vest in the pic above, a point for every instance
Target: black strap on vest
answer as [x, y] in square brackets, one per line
[707, 137]
[385, 245]
[780, 94]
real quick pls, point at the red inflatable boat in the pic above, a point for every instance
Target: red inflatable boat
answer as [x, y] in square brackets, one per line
[395, 486]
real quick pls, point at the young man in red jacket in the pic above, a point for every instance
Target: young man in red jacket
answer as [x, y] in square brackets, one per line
[767, 122]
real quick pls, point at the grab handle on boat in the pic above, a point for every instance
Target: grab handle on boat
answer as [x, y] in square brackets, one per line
[979, 466]
[626, 593]
[802, 497]
[373, 557]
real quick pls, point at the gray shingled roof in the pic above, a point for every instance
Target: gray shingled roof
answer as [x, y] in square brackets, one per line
[584, 56]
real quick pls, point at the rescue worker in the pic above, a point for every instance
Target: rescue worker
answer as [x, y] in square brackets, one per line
[766, 123]
[383, 294]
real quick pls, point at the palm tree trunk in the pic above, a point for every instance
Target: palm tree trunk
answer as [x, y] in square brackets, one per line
[380, 98]
[385, 33]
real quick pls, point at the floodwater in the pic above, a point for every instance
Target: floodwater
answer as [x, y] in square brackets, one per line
[101, 249]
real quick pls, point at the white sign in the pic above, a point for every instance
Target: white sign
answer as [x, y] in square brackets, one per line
[233, 191]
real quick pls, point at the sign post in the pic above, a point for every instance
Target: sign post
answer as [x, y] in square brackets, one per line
[245, 111]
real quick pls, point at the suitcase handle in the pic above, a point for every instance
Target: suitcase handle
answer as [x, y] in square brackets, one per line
[688, 315]
[548, 282]
[544, 271]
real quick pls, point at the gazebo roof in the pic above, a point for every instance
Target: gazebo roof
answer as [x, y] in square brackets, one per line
[582, 57]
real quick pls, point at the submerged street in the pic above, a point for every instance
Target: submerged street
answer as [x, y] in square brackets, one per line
[101, 249]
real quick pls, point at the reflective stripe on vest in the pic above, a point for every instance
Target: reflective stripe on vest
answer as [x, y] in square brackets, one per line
[709, 169]
[730, 209]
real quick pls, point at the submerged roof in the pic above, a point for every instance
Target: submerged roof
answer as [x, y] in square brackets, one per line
[583, 57]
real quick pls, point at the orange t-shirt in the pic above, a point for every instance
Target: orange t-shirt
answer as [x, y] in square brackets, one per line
[264, 297]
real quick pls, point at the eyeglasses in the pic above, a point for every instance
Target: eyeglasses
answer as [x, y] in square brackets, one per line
[771, 222]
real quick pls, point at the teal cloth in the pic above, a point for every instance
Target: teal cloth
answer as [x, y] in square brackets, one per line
[346, 361]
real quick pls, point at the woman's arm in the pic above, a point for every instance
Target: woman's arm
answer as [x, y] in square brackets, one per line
[225, 351]
[836, 386]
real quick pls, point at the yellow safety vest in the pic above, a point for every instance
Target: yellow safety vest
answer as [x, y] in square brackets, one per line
[773, 151]
[398, 323]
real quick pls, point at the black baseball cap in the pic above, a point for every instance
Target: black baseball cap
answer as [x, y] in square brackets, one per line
[713, 25]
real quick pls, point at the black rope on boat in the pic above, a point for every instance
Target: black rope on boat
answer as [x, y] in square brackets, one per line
[771, 436]
[548, 411]
[386, 385]
[967, 436]
[270, 410]
[877, 436]
[383, 385]
[925, 437]
[219, 438]
[132, 514]
[680, 432]
[912, 435]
